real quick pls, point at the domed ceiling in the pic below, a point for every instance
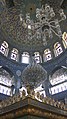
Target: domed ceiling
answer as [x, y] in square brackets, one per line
[12, 29]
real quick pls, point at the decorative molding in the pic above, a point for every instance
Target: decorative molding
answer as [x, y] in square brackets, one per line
[39, 110]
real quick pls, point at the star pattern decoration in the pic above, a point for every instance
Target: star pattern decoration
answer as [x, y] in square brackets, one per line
[13, 28]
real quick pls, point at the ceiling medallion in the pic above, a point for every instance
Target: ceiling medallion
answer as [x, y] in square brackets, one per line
[31, 8]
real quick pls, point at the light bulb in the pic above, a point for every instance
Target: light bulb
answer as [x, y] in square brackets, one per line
[37, 13]
[52, 13]
[47, 8]
[21, 18]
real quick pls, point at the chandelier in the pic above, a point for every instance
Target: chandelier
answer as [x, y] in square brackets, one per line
[45, 24]
[33, 75]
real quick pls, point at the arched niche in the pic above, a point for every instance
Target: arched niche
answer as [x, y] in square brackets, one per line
[15, 54]
[58, 80]
[25, 58]
[57, 49]
[37, 57]
[7, 81]
[64, 39]
[47, 55]
[4, 48]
